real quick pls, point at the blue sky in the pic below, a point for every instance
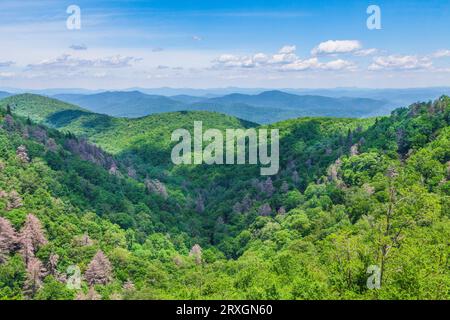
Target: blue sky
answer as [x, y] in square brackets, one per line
[272, 44]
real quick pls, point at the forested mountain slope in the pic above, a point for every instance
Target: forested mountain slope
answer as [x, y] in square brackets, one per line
[36, 107]
[4, 94]
[265, 107]
[123, 104]
[350, 194]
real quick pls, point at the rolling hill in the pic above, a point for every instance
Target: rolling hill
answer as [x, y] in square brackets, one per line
[115, 134]
[4, 94]
[123, 104]
[266, 107]
[36, 107]
[308, 105]
[348, 189]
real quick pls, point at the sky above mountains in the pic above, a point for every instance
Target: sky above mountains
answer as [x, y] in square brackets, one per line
[203, 44]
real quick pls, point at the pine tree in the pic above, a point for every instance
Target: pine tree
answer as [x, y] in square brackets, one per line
[113, 170]
[53, 264]
[31, 237]
[156, 187]
[9, 122]
[99, 270]
[237, 208]
[51, 145]
[284, 187]
[35, 273]
[265, 210]
[196, 252]
[22, 154]
[83, 240]
[268, 187]
[199, 204]
[295, 177]
[281, 211]
[14, 201]
[131, 172]
[246, 203]
[8, 239]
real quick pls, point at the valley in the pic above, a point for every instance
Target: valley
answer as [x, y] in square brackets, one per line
[97, 183]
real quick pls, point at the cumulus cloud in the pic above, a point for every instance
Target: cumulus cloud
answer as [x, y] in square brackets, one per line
[338, 65]
[399, 62]
[260, 58]
[288, 49]
[441, 54]
[69, 62]
[315, 64]
[285, 55]
[78, 47]
[233, 61]
[336, 46]
[197, 38]
[284, 60]
[301, 65]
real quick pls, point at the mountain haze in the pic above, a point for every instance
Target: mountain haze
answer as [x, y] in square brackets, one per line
[265, 107]
[123, 104]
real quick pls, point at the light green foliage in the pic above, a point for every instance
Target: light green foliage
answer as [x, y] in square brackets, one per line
[385, 205]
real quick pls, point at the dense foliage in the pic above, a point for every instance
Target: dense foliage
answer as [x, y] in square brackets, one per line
[350, 194]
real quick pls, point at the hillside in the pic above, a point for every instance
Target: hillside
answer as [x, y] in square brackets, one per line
[4, 94]
[123, 104]
[266, 107]
[350, 194]
[114, 134]
[37, 108]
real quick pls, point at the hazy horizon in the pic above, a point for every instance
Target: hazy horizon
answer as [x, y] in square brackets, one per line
[219, 88]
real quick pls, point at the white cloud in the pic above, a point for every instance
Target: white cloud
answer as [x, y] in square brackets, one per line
[314, 63]
[285, 55]
[399, 62]
[338, 65]
[4, 75]
[287, 49]
[284, 60]
[365, 52]
[301, 65]
[336, 46]
[78, 47]
[232, 61]
[441, 54]
[69, 62]
[260, 58]
[4, 64]
[197, 38]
